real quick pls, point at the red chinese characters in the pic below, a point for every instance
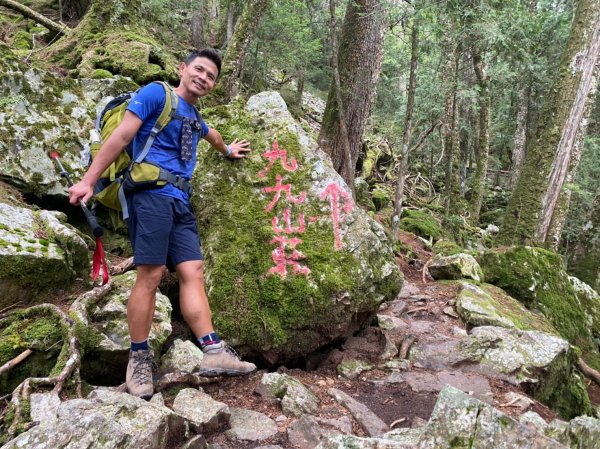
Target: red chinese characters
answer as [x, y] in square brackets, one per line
[285, 253]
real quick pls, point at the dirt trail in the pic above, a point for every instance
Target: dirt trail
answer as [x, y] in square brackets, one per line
[402, 398]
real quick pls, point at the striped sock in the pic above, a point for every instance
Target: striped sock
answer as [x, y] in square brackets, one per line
[210, 343]
[141, 346]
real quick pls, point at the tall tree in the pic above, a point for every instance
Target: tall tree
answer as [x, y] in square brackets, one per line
[360, 55]
[482, 148]
[562, 206]
[406, 134]
[450, 139]
[520, 136]
[532, 203]
[237, 50]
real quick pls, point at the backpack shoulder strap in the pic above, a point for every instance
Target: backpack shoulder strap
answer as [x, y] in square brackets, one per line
[171, 102]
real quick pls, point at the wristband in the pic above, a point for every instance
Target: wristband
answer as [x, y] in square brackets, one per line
[228, 152]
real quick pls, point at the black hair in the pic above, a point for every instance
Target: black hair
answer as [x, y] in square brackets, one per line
[208, 53]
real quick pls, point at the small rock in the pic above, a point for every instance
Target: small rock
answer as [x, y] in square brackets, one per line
[183, 356]
[205, 414]
[250, 425]
[370, 422]
[351, 369]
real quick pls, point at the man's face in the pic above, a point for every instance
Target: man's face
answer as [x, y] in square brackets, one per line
[199, 76]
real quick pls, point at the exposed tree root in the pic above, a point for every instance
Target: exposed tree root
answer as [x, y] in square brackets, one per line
[407, 342]
[121, 268]
[71, 368]
[14, 362]
[588, 372]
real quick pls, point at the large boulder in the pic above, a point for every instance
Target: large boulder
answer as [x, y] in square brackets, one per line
[39, 253]
[542, 363]
[462, 421]
[106, 420]
[41, 112]
[487, 305]
[292, 263]
[456, 266]
[538, 279]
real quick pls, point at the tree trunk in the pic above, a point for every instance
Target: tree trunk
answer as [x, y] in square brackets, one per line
[450, 127]
[39, 18]
[359, 61]
[197, 22]
[410, 102]
[564, 201]
[520, 139]
[348, 170]
[237, 50]
[532, 203]
[230, 21]
[562, 160]
[300, 73]
[585, 260]
[482, 149]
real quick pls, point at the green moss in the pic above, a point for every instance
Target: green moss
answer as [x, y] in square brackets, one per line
[445, 247]
[420, 223]
[22, 40]
[99, 74]
[22, 331]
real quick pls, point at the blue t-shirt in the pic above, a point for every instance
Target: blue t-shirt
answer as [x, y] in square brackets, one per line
[166, 149]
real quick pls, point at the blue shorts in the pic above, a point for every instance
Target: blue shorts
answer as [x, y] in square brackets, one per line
[162, 230]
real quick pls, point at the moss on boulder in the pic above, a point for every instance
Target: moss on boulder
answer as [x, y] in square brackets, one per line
[24, 331]
[421, 223]
[538, 279]
[39, 253]
[41, 112]
[114, 37]
[264, 298]
[487, 305]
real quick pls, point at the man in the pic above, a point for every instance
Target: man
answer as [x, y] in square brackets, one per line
[162, 226]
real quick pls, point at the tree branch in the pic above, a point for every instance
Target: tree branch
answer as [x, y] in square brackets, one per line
[58, 28]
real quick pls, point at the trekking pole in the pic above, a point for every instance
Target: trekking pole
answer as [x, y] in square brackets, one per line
[98, 260]
[97, 230]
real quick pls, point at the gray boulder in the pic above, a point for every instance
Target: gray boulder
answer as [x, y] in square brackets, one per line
[540, 362]
[461, 421]
[106, 420]
[291, 262]
[457, 266]
[204, 413]
[486, 305]
[296, 399]
[41, 112]
[39, 252]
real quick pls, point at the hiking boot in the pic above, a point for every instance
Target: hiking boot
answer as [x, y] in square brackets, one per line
[139, 374]
[224, 363]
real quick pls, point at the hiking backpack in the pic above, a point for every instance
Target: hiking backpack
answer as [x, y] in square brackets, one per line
[125, 174]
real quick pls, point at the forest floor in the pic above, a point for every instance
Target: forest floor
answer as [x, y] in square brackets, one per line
[397, 404]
